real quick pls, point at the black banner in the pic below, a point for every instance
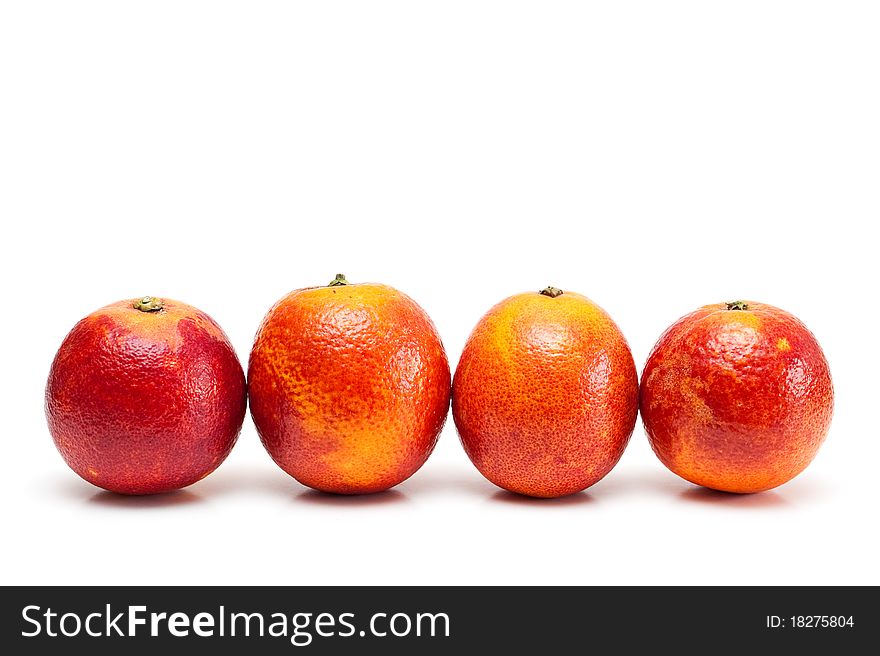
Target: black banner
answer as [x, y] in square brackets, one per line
[433, 620]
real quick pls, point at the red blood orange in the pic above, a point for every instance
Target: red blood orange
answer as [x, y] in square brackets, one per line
[145, 396]
[545, 395]
[737, 397]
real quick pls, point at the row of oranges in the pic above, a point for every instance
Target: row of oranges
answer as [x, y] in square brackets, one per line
[349, 388]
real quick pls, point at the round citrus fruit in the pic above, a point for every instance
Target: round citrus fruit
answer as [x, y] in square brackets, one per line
[737, 397]
[545, 395]
[145, 396]
[349, 386]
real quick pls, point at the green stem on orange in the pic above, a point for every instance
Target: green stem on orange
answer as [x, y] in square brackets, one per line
[148, 304]
[552, 292]
[737, 305]
[338, 280]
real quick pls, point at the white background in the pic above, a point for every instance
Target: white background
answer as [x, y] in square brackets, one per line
[653, 156]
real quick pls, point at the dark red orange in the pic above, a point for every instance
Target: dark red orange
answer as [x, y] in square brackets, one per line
[145, 396]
